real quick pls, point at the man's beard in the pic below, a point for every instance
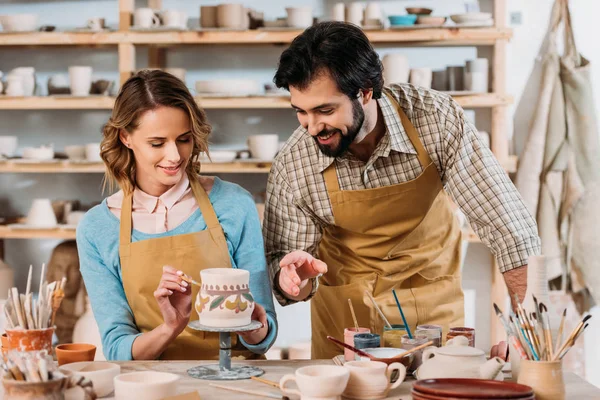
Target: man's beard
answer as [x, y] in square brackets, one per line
[358, 118]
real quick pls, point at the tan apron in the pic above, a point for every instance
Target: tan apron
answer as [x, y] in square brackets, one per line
[403, 236]
[141, 270]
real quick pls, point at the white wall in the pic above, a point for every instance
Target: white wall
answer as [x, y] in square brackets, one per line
[230, 127]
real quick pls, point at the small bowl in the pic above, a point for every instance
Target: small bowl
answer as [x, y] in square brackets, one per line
[386, 355]
[419, 10]
[402, 20]
[74, 352]
[473, 17]
[428, 20]
[147, 385]
[101, 373]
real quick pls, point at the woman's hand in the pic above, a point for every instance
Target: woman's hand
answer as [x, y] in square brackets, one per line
[174, 297]
[258, 335]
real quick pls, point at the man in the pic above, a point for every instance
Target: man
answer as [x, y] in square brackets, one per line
[359, 194]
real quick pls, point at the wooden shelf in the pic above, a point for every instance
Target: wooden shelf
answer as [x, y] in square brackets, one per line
[421, 37]
[484, 100]
[7, 232]
[241, 167]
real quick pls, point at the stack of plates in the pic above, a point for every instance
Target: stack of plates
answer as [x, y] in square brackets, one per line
[469, 389]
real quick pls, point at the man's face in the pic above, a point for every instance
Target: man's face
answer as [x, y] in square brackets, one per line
[329, 116]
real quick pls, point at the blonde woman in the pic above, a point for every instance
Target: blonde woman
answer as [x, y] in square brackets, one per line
[165, 221]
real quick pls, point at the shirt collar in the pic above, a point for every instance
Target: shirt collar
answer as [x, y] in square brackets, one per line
[395, 137]
[169, 198]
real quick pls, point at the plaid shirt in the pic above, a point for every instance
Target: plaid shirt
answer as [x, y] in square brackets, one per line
[298, 206]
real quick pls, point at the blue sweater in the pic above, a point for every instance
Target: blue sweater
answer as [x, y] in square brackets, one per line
[98, 247]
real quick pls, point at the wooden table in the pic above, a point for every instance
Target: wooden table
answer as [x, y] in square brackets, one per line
[577, 388]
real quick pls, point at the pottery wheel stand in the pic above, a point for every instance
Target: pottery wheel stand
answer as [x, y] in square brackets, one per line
[224, 371]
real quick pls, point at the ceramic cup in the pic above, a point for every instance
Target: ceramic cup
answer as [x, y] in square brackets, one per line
[145, 18]
[30, 339]
[476, 82]
[101, 374]
[544, 377]
[421, 77]
[28, 76]
[96, 23]
[92, 152]
[349, 339]
[208, 16]
[322, 382]
[395, 68]
[477, 65]
[80, 80]
[8, 145]
[15, 86]
[371, 380]
[373, 12]
[263, 147]
[75, 152]
[456, 78]
[41, 214]
[75, 352]
[299, 17]
[338, 12]
[174, 19]
[439, 80]
[147, 385]
[230, 16]
[354, 13]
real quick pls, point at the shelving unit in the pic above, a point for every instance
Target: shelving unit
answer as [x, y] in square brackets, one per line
[493, 39]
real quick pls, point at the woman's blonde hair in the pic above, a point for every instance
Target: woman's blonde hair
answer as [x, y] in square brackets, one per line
[145, 91]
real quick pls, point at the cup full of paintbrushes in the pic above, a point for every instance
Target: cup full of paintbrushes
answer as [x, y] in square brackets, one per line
[29, 320]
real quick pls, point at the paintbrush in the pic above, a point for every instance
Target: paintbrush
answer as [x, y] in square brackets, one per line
[190, 280]
[410, 336]
[564, 353]
[527, 327]
[534, 354]
[353, 315]
[560, 331]
[246, 391]
[571, 337]
[511, 337]
[547, 331]
[265, 381]
[378, 309]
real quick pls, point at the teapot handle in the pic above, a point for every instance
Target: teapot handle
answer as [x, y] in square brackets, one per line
[428, 353]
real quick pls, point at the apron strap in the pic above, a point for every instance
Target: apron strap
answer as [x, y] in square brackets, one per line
[331, 180]
[412, 133]
[125, 225]
[208, 212]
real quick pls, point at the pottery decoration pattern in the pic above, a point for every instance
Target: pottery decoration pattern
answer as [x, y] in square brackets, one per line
[224, 299]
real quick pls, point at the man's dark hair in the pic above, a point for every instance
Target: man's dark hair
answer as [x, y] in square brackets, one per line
[337, 48]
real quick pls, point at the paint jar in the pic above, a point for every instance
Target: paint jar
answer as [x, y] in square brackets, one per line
[366, 340]
[469, 333]
[408, 343]
[433, 332]
[392, 337]
[349, 334]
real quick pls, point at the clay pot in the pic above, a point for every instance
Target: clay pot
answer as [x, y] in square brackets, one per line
[20, 390]
[30, 339]
[75, 352]
[5, 345]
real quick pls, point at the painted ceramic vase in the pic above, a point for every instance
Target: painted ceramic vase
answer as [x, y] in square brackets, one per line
[224, 299]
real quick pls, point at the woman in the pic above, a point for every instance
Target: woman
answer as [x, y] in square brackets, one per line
[166, 221]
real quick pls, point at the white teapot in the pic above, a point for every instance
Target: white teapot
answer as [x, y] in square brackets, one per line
[458, 360]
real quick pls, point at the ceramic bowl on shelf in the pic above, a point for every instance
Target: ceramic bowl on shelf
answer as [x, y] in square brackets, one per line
[419, 10]
[471, 18]
[228, 87]
[38, 153]
[429, 20]
[19, 22]
[402, 20]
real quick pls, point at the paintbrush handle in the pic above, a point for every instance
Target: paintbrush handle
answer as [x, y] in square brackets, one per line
[265, 381]
[378, 309]
[560, 333]
[246, 391]
[414, 349]
[518, 346]
[351, 348]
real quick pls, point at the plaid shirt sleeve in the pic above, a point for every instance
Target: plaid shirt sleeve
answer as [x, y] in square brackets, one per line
[286, 228]
[483, 191]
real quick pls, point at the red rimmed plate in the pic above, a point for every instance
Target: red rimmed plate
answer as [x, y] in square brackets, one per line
[471, 389]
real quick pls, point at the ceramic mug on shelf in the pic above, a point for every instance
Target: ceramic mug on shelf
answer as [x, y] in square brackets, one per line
[145, 18]
[338, 12]
[230, 16]
[263, 147]
[96, 24]
[80, 80]
[92, 152]
[208, 16]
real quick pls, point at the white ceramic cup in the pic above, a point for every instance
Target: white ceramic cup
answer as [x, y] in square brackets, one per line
[263, 147]
[28, 76]
[75, 152]
[8, 145]
[147, 385]
[373, 11]
[323, 382]
[92, 152]
[80, 80]
[338, 12]
[477, 65]
[145, 18]
[15, 86]
[101, 373]
[476, 82]
[41, 214]
[354, 13]
[174, 19]
[230, 16]
[95, 24]
[395, 69]
[371, 380]
[299, 17]
[421, 77]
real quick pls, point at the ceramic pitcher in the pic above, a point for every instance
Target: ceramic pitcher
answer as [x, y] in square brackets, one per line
[371, 380]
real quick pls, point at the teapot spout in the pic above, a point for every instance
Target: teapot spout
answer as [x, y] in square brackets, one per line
[491, 368]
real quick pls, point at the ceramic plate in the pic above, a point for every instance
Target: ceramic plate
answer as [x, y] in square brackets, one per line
[472, 389]
[31, 227]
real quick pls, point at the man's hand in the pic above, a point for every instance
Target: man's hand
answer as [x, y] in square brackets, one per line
[516, 282]
[296, 269]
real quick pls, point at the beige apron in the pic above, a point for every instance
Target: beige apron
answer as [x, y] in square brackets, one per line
[403, 236]
[141, 269]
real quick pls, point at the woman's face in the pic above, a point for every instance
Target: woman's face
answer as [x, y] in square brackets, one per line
[162, 146]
